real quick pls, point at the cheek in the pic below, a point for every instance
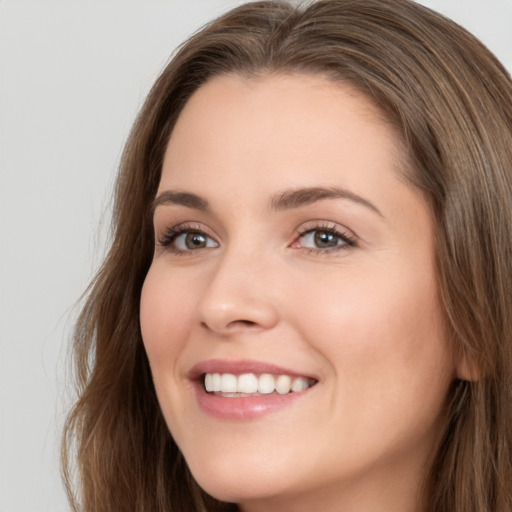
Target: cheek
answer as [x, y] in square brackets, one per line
[165, 317]
[387, 358]
[380, 331]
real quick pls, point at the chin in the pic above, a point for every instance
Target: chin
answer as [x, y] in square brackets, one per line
[235, 490]
[239, 483]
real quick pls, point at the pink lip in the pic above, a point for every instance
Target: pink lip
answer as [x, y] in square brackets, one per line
[238, 408]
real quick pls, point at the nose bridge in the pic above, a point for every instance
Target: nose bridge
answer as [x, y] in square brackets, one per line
[239, 293]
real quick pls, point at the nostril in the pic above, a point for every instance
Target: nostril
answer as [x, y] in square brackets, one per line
[241, 324]
[233, 324]
[244, 322]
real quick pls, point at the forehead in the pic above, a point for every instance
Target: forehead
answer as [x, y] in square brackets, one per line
[225, 98]
[287, 130]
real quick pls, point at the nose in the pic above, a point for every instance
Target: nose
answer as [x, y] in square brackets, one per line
[239, 296]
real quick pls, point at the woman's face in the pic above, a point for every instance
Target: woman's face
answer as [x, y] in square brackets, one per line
[291, 255]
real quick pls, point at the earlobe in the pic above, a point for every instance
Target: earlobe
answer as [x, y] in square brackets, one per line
[467, 368]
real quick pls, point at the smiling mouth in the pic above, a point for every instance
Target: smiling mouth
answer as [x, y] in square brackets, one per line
[230, 385]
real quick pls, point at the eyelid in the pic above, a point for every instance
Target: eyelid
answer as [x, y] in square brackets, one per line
[349, 238]
[168, 235]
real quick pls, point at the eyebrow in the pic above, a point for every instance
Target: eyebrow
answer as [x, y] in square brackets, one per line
[296, 198]
[187, 199]
[285, 200]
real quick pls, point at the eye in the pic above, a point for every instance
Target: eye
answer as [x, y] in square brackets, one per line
[184, 239]
[324, 239]
[192, 241]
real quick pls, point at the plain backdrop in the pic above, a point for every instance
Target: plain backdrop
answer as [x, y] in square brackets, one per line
[73, 74]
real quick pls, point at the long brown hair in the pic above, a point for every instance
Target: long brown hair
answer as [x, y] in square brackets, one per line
[452, 102]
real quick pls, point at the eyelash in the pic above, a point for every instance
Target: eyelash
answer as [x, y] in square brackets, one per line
[348, 240]
[169, 237]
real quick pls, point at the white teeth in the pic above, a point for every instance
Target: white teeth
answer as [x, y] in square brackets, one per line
[283, 384]
[266, 384]
[249, 383]
[228, 383]
[208, 382]
[216, 382]
[299, 384]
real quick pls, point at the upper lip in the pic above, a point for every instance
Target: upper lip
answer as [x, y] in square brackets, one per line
[238, 367]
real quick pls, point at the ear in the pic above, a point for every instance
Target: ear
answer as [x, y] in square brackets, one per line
[466, 367]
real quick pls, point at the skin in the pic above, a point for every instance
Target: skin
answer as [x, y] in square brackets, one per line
[364, 319]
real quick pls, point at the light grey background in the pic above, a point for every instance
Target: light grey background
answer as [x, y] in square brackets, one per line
[72, 76]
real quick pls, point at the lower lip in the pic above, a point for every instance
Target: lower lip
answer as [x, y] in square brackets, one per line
[243, 408]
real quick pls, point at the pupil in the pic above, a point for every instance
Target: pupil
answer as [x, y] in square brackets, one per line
[195, 241]
[324, 239]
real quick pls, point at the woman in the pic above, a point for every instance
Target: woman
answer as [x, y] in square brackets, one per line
[307, 299]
